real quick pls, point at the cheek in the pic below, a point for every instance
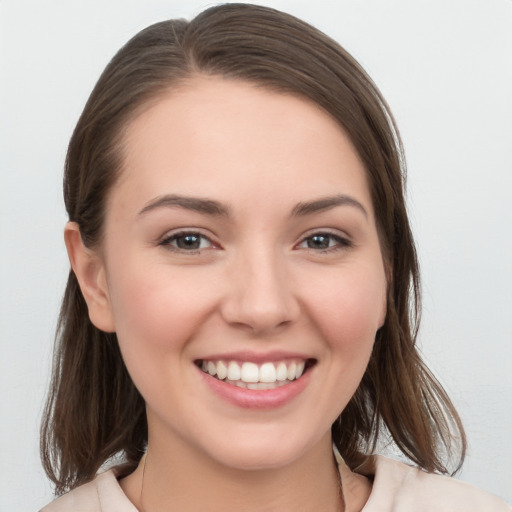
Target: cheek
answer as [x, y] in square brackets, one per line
[156, 313]
[156, 309]
[346, 310]
[350, 309]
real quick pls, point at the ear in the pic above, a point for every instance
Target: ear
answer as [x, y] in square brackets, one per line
[90, 272]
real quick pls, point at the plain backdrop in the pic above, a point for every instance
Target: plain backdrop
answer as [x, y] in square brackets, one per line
[445, 67]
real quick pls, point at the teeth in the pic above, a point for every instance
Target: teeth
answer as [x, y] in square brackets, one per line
[249, 372]
[300, 369]
[257, 385]
[252, 376]
[292, 370]
[222, 370]
[234, 371]
[281, 372]
[267, 373]
[264, 385]
[212, 368]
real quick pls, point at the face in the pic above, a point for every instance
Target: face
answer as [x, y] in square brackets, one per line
[242, 271]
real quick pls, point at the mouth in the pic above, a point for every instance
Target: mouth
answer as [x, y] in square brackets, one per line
[249, 375]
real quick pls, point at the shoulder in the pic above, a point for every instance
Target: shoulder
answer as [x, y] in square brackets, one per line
[103, 494]
[399, 487]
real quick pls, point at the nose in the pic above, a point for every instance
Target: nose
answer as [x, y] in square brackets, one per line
[260, 296]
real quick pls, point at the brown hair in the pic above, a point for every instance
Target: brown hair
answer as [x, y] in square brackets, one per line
[94, 411]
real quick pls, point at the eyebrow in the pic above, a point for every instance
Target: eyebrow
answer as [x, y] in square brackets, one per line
[206, 206]
[212, 207]
[326, 203]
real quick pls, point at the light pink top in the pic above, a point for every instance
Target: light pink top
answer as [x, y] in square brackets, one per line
[396, 487]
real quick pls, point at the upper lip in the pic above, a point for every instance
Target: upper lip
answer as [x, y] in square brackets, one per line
[254, 357]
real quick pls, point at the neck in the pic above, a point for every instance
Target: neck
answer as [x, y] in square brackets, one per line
[180, 480]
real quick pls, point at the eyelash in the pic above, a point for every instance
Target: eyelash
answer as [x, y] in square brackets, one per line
[340, 242]
[171, 242]
[171, 239]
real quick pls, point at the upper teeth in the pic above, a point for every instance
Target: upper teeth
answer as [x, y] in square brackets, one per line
[252, 372]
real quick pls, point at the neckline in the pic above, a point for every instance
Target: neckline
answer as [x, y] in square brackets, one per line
[355, 489]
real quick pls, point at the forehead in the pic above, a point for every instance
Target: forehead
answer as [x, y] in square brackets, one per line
[210, 135]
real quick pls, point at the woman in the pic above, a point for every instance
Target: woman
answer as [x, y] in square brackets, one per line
[243, 275]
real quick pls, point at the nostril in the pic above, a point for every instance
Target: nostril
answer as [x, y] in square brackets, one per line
[261, 304]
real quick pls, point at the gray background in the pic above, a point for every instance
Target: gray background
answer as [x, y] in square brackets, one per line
[444, 67]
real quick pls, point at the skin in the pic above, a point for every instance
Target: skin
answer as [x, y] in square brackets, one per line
[258, 284]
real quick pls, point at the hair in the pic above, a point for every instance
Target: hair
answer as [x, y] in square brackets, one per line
[94, 412]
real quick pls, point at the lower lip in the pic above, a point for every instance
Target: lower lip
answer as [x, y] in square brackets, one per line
[257, 398]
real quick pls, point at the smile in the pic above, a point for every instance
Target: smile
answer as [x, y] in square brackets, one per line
[249, 375]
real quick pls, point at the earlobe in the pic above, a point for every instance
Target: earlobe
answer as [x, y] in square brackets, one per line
[90, 273]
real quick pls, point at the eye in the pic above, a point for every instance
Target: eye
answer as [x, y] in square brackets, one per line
[324, 242]
[187, 241]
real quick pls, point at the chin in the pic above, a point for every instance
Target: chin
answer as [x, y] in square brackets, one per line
[255, 460]
[259, 451]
